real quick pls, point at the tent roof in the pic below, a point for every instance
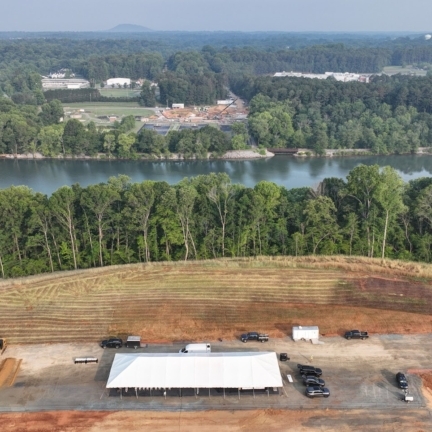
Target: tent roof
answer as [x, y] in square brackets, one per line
[195, 370]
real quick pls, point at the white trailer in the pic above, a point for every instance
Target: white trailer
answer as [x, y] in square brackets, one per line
[305, 333]
[196, 348]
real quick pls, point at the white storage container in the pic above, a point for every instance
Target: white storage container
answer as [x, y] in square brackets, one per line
[305, 332]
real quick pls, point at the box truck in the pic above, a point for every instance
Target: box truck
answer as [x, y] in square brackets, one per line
[196, 348]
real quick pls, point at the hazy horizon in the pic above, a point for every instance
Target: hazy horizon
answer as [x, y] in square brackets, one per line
[338, 16]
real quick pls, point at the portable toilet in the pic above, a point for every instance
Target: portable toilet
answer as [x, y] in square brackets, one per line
[305, 333]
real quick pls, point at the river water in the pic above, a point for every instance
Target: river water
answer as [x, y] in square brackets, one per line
[48, 175]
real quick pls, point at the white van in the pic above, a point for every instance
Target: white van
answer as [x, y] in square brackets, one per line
[196, 348]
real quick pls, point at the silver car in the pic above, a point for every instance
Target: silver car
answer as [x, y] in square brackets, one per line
[315, 391]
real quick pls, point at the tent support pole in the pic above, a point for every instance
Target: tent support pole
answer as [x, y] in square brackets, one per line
[121, 393]
[136, 392]
[238, 393]
[224, 392]
[150, 393]
[209, 391]
[253, 391]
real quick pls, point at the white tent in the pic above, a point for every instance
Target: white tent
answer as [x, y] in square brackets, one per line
[201, 370]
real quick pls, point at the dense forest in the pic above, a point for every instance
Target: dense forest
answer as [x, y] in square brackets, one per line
[177, 56]
[387, 115]
[373, 213]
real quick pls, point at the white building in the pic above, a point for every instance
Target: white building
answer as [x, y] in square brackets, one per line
[177, 105]
[225, 102]
[64, 83]
[338, 76]
[118, 81]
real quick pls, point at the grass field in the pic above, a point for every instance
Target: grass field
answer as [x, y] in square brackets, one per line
[110, 92]
[99, 109]
[109, 108]
[207, 300]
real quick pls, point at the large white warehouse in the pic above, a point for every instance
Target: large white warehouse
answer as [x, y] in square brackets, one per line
[117, 81]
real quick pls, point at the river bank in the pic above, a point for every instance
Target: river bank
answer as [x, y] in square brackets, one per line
[250, 154]
[231, 154]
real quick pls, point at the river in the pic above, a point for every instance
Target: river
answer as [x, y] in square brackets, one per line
[48, 175]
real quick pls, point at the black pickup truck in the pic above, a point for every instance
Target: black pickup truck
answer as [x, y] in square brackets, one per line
[254, 336]
[356, 334]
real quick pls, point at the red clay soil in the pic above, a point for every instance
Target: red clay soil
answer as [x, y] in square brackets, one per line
[216, 421]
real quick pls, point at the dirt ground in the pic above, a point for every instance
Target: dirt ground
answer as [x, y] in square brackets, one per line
[256, 420]
[220, 299]
[8, 370]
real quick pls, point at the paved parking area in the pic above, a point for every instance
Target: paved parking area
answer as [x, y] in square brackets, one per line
[359, 374]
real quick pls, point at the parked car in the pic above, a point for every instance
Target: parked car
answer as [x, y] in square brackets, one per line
[309, 370]
[401, 380]
[311, 380]
[356, 334]
[112, 343]
[315, 391]
[254, 336]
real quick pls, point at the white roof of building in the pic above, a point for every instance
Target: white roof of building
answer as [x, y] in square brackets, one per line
[200, 370]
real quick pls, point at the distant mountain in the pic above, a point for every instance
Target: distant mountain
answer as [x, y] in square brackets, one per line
[129, 28]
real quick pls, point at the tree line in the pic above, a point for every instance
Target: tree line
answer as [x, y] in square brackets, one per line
[373, 213]
[25, 129]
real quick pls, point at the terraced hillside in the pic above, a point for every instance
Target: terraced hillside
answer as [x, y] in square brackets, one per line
[208, 300]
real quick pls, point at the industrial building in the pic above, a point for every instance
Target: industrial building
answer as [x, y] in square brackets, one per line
[118, 81]
[338, 76]
[64, 83]
[196, 371]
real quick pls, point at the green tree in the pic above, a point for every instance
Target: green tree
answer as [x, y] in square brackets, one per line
[390, 198]
[321, 221]
[98, 199]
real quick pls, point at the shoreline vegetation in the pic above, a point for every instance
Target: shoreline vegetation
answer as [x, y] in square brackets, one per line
[249, 154]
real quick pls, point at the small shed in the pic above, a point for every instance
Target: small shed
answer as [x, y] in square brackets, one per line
[305, 332]
[177, 105]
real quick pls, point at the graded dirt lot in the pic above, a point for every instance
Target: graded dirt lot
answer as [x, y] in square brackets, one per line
[360, 376]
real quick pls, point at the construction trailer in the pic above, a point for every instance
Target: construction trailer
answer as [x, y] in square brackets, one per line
[305, 333]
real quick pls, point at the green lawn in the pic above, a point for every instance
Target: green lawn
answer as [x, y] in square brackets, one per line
[110, 92]
[109, 108]
[392, 70]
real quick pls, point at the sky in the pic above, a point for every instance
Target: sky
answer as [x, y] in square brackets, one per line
[218, 15]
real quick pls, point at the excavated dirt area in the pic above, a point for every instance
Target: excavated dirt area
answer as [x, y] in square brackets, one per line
[220, 421]
[220, 299]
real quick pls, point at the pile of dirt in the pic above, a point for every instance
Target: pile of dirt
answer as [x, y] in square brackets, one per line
[178, 113]
[8, 371]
